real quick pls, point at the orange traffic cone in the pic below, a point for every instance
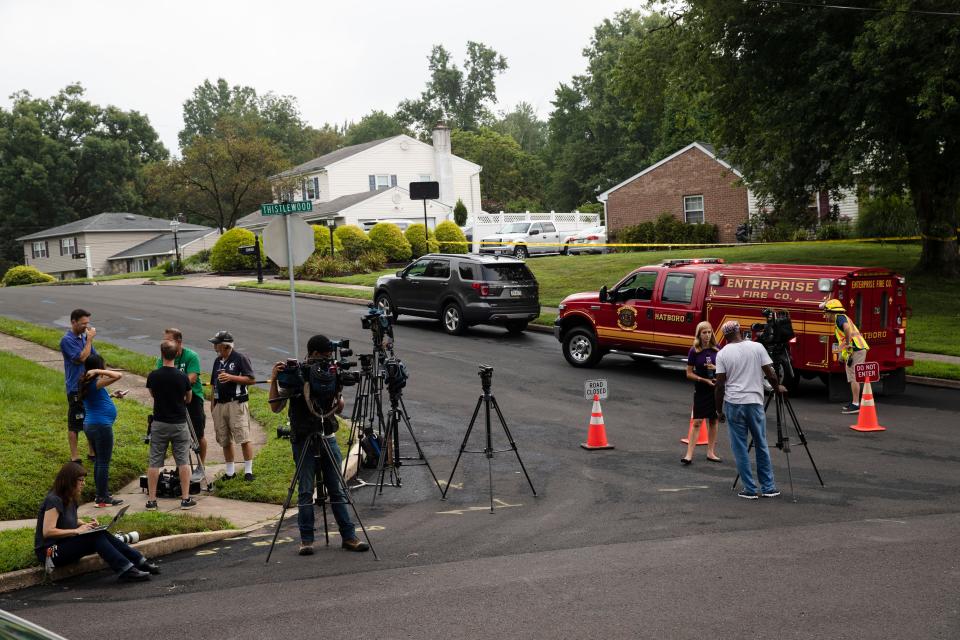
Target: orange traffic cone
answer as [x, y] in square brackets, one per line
[597, 435]
[867, 420]
[703, 439]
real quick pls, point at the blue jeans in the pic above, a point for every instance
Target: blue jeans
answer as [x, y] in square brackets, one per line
[101, 438]
[744, 419]
[307, 482]
[119, 555]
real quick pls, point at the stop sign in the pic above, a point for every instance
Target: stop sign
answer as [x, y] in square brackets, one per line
[275, 240]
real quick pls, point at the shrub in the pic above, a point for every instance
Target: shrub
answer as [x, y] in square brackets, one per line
[669, 230]
[196, 267]
[890, 216]
[833, 231]
[388, 239]
[353, 240]
[321, 240]
[414, 235]
[20, 275]
[225, 255]
[199, 257]
[460, 213]
[166, 267]
[371, 261]
[642, 233]
[450, 238]
[319, 266]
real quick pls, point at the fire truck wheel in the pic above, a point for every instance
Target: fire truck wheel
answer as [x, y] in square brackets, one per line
[580, 348]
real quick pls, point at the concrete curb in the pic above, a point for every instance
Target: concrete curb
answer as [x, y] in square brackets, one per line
[934, 382]
[152, 548]
[313, 296]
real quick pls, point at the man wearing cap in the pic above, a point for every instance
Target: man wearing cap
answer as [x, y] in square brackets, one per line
[303, 423]
[853, 348]
[232, 372]
[741, 367]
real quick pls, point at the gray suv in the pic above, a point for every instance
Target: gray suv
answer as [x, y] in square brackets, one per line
[461, 290]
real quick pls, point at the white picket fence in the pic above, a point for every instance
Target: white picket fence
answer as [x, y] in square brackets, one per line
[487, 224]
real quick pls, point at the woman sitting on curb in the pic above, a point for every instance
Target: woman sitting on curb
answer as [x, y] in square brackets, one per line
[60, 538]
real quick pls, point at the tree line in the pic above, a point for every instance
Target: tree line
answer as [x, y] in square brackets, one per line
[801, 97]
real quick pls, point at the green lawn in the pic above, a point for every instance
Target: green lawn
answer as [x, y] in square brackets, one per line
[273, 463]
[318, 288]
[33, 437]
[16, 545]
[153, 273]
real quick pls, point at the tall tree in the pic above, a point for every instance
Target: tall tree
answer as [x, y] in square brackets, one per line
[64, 158]
[221, 177]
[523, 125]
[611, 121]
[373, 126]
[273, 117]
[461, 98]
[814, 97]
[509, 173]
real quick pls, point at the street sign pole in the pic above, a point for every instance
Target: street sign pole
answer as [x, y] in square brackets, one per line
[293, 295]
[256, 252]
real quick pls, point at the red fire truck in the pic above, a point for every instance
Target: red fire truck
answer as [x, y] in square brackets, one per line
[654, 310]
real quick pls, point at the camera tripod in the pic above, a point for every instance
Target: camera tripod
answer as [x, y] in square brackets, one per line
[367, 409]
[311, 447]
[197, 472]
[784, 409]
[487, 399]
[390, 450]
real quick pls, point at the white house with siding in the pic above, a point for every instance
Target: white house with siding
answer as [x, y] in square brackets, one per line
[346, 184]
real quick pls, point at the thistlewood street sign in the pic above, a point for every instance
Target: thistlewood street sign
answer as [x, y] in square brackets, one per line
[283, 208]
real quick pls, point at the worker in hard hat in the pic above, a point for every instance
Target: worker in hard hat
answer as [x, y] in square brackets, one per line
[853, 347]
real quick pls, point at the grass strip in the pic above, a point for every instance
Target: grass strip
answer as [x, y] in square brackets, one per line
[934, 369]
[273, 464]
[33, 442]
[319, 289]
[116, 276]
[16, 545]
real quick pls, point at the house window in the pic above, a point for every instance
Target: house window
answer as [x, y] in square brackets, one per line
[382, 181]
[68, 246]
[693, 209]
[425, 177]
[39, 249]
[310, 188]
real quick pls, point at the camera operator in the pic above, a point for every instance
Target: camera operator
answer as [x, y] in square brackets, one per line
[741, 366]
[303, 422]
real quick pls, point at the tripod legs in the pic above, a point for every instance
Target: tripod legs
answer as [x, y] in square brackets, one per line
[391, 440]
[488, 400]
[310, 448]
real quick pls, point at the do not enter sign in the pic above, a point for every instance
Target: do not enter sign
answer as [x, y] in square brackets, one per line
[867, 371]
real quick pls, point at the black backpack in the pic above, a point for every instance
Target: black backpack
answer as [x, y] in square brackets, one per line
[321, 389]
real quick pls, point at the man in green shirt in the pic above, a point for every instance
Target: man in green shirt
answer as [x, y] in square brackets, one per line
[188, 362]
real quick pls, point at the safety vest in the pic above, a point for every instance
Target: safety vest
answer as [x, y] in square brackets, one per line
[859, 344]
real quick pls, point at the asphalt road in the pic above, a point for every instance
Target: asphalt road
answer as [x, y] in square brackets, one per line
[621, 543]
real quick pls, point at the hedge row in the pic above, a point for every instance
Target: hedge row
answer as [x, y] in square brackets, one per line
[666, 230]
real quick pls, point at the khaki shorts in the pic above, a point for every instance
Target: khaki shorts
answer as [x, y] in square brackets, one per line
[231, 423]
[859, 357]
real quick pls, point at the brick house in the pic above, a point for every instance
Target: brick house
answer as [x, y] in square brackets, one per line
[696, 185]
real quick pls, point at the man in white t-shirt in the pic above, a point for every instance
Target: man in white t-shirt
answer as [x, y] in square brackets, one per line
[741, 367]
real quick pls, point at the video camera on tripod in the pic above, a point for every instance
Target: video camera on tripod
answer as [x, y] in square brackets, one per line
[776, 332]
[381, 328]
[295, 373]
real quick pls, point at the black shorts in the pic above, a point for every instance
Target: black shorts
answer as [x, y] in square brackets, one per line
[75, 413]
[197, 416]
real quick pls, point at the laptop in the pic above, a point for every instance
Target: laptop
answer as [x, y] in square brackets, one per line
[109, 525]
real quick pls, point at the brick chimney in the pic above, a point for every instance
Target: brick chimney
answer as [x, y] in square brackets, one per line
[443, 163]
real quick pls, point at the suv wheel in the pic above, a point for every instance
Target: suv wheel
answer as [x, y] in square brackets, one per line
[580, 348]
[452, 319]
[386, 305]
[516, 326]
[520, 252]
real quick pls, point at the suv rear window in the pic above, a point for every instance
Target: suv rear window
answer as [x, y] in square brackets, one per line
[507, 273]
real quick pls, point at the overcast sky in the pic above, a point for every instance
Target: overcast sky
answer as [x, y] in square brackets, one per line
[339, 59]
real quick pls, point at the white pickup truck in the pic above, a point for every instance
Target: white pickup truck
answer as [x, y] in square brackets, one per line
[522, 239]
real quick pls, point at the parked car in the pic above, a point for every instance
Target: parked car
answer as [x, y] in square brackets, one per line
[589, 240]
[462, 290]
[523, 239]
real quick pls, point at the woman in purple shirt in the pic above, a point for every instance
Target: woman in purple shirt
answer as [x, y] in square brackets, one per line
[701, 370]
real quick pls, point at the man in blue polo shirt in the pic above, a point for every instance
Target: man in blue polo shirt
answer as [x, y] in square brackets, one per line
[76, 345]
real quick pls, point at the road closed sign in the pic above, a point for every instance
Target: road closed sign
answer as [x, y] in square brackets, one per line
[867, 371]
[595, 388]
